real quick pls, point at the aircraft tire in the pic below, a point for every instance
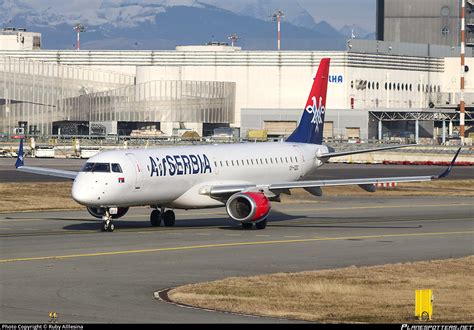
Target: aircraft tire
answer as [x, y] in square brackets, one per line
[261, 224]
[169, 218]
[155, 218]
[247, 225]
[108, 226]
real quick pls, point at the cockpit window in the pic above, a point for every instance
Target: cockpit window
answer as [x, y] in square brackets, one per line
[116, 168]
[96, 167]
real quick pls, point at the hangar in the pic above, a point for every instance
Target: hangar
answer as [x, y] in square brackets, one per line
[377, 90]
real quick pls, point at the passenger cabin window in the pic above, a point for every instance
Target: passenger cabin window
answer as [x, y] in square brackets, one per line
[96, 167]
[116, 168]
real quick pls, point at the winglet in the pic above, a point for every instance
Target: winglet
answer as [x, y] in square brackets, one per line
[20, 160]
[450, 167]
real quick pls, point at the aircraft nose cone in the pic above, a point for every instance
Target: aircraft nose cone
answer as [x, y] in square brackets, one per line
[83, 192]
[79, 193]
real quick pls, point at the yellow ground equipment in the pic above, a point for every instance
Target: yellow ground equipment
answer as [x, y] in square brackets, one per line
[424, 305]
[257, 134]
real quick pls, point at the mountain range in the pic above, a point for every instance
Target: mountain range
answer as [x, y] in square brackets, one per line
[164, 24]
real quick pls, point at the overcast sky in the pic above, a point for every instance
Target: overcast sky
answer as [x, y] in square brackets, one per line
[342, 12]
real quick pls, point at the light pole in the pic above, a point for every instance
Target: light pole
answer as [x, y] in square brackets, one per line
[463, 68]
[79, 28]
[233, 38]
[277, 15]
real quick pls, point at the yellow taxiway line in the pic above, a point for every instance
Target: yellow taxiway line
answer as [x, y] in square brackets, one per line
[224, 245]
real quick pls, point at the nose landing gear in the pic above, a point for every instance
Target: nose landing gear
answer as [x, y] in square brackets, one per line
[157, 216]
[107, 224]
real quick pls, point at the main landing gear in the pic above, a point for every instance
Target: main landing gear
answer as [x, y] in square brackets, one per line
[157, 216]
[259, 225]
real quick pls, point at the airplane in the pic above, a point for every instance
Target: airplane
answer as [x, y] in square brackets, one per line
[242, 177]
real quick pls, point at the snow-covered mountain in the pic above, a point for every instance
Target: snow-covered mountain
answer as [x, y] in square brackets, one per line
[356, 31]
[163, 24]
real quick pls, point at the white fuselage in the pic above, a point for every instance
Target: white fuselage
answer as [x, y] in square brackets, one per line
[176, 176]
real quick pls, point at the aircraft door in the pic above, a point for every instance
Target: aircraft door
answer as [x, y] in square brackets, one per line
[138, 171]
[216, 166]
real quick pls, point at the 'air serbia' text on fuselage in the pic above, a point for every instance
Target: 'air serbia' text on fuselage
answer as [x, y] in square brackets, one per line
[179, 165]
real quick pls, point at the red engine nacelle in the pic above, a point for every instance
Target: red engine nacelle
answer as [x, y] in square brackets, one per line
[98, 212]
[248, 206]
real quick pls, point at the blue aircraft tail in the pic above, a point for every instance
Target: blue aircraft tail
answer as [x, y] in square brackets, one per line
[310, 128]
[21, 155]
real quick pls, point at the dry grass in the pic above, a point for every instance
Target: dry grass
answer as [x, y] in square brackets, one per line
[31, 196]
[36, 196]
[380, 294]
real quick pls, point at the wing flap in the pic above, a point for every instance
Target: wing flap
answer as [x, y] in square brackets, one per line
[346, 182]
[354, 152]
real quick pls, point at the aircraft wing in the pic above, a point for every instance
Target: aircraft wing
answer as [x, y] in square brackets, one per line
[326, 156]
[48, 171]
[20, 166]
[227, 190]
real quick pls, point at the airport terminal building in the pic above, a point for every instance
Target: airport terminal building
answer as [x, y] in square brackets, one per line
[377, 90]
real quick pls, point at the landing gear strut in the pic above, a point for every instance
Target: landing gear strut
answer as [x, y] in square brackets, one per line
[107, 224]
[157, 216]
[259, 225]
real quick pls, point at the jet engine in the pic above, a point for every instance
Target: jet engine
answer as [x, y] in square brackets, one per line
[98, 212]
[248, 206]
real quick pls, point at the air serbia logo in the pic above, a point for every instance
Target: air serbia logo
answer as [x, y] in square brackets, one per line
[317, 112]
[179, 165]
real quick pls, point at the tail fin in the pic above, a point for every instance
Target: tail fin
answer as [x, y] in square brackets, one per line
[310, 128]
[21, 155]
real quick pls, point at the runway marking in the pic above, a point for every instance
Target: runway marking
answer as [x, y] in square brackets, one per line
[181, 230]
[224, 245]
[278, 209]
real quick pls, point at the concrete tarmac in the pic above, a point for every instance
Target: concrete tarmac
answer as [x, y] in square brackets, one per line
[61, 261]
[327, 171]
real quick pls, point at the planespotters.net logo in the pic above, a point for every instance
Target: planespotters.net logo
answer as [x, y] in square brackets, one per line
[437, 327]
[317, 110]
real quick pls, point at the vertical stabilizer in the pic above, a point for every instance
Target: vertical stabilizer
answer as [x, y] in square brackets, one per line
[310, 128]
[19, 160]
